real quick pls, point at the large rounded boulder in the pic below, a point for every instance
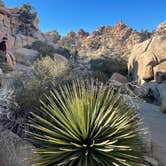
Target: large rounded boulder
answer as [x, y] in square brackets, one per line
[147, 60]
[25, 56]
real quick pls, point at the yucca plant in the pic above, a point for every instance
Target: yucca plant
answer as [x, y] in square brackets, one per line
[86, 124]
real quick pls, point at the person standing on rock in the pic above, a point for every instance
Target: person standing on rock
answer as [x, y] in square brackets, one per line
[8, 58]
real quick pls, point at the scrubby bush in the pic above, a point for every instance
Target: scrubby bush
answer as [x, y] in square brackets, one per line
[87, 125]
[109, 65]
[63, 51]
[27, 15]
[43, 48]
[46, 74]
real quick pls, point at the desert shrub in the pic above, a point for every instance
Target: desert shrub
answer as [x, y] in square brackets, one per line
[63, 51]
[27, 15]
[46, 74]
[85, 124]
[108, 66]
[43, 48]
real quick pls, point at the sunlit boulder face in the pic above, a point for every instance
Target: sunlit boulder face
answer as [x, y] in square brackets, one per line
[14, 151]
[147, 59]
[161, 29]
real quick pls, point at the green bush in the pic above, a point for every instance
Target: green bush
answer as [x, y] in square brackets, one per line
[63, 51]
[27, 15]
[43, 48]
[108, 66]
[46, 74]
[87, 125]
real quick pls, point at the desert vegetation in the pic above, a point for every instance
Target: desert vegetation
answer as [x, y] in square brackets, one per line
[67, 100]
[105, 66]
[27, 15]
[86, 123]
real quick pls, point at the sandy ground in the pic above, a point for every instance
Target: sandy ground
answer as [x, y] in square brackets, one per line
[155, 121]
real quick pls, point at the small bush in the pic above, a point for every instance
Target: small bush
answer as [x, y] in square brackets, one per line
[27, 15]
[63, 51]
[43, 48]
[87, 125]
[46, 74]
[108, 66]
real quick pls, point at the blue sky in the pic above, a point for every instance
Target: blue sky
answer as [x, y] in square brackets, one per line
[66, 15]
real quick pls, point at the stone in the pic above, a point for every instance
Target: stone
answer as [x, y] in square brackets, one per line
[162, 91]
[158, 93]
[160, 72]
[147, 59]
[14, 151]
[25, 56]
[10, 42]
[81, 33]
[52, 36]
[119, 77]
[161, 29]
[154, 121]
[151, 161]
[11, 61]
[60, 58]
[1, 77]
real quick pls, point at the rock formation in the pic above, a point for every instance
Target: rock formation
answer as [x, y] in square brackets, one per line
[10, 27]
[148, 59]
[146, 53]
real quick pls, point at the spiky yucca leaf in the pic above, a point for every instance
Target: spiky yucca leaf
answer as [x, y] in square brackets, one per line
[86, 125]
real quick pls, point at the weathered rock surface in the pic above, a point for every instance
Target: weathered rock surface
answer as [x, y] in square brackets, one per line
[155, 121]
[119, 77]
[25, 56]
[157, 92]
[1, 76]
[14, 151]
[148, 59]
[160, 72]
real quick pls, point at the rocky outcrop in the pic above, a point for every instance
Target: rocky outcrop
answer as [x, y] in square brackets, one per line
[157, 93]
[52, 36]
[14, 151]
[25, 56]
[155, 122]
[105, 40]
[1, 77]
[82, 34]
[10, 27]
[161, 29]
[160, 72]
[108, 40]
[119, 77]
[147, 60]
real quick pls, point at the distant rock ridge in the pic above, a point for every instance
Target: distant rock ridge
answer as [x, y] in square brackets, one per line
[105, 40]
